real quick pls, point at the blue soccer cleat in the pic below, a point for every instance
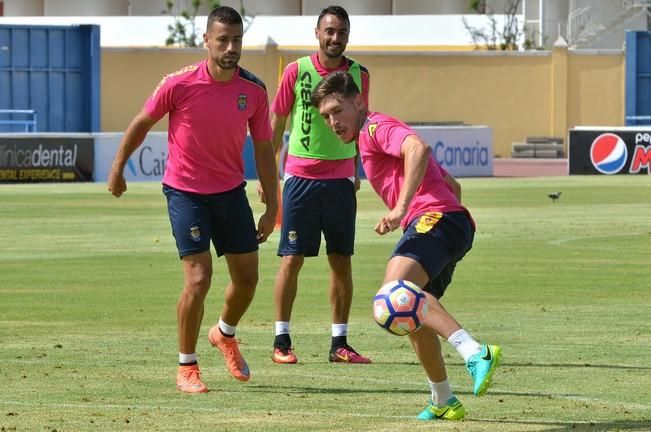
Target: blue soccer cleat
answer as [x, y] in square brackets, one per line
[452, 410]
[481, 367]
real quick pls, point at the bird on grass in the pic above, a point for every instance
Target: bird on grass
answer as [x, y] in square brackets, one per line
[554, 196]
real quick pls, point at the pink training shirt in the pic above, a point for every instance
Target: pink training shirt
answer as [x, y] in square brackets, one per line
[379, 143]
[284, 102]
[208, 122]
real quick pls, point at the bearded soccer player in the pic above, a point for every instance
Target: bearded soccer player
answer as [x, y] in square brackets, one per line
[319, 189]
[425, 202]
[210, 105]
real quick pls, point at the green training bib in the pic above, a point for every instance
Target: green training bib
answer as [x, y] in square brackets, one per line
[309, 136]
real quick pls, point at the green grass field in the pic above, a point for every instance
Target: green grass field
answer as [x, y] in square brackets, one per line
[89, 283]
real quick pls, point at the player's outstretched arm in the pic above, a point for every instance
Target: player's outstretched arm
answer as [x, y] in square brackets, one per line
[133, 137]
[265, 164]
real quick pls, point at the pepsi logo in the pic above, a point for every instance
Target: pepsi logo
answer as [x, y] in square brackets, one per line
[608, 153]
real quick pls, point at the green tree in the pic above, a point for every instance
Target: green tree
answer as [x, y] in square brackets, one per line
[183, 32]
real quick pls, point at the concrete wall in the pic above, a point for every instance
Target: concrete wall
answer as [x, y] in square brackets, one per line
[267, 7]
[149, 7]
[23, 8]
[86, 7]
[253, 7]
[540, 93]
[604, 22]
[353, 7]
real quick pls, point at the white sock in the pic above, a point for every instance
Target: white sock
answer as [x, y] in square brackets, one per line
[282, 327]
[187, 358]
[228, 330]
[339, 329]
[441, 392]
[464, 343]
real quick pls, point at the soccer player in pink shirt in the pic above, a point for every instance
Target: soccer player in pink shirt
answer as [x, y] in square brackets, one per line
[210, 106]
[425, 202]
[319, 189]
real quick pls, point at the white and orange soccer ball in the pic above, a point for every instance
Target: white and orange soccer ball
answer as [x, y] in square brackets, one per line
[399, 307]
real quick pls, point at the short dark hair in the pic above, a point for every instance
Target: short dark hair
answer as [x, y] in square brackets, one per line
[337, 11]
[224, 15]
[338, 83]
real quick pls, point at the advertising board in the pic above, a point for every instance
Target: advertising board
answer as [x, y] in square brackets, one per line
[27, 158]
[464, 151]
[610, 151]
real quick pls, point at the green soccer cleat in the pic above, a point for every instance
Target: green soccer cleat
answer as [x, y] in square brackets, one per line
[481, 367]
[452, 410]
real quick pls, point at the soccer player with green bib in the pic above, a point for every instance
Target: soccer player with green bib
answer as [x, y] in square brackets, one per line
[319, 190]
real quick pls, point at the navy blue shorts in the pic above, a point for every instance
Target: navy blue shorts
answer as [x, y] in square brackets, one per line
[314, 206]
[224, 218]
[438, 241]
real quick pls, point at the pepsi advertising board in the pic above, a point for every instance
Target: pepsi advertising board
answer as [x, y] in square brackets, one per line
[610, 151]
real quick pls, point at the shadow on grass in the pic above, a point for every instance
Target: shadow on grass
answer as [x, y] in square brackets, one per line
[448, 362]
[542, 365]
[559, 426]
[576, 365]
[326, 390]
[289, 389]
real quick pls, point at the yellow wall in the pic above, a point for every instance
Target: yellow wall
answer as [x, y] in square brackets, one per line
[129, 76]
[596, 90]
[516, 94]
[487, 90]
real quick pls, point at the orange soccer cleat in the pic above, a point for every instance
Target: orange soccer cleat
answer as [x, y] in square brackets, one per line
[188, 379]
[229, 347]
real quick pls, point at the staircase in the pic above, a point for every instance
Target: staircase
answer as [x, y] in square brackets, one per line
[592, 19]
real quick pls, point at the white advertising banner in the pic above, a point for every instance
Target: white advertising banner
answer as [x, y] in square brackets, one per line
[147, 163]
[464, 151]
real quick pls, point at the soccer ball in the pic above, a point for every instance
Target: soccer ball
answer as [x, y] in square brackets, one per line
[399, 307]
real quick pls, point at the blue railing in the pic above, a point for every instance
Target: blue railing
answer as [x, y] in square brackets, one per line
[28, 123]
[640, 120]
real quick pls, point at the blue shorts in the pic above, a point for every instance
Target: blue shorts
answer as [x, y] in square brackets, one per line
[224, 218]
[314, 206]
[438, 241]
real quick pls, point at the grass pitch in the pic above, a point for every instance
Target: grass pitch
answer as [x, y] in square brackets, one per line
[88, 289]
